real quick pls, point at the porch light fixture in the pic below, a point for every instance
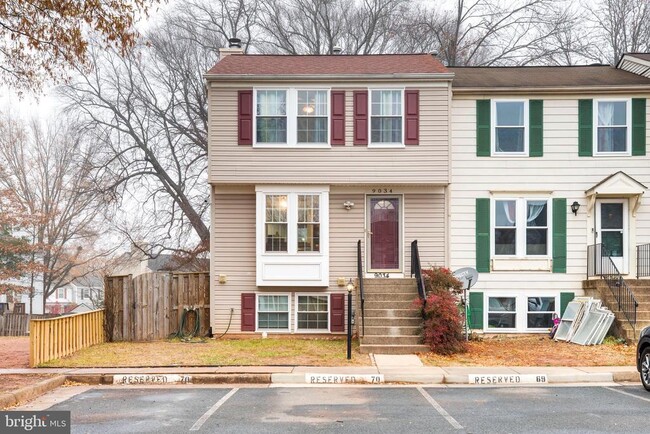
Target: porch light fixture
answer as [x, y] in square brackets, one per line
[575, 206]
[348, 205]
[350, 286]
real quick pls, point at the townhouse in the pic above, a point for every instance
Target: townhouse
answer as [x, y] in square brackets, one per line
[308, 156]
[324, 169]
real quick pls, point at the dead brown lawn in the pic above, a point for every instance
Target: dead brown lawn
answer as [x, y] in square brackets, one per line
[535, 351]
[12, 382]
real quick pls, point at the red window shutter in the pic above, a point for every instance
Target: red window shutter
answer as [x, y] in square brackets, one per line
[337, 312]
[338, 117]
[245, 117]
[412, 118]
[248, 312]
[360, 99]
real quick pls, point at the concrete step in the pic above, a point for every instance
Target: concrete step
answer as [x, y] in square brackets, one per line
[389, 296]
[390, 340]
[391, 313]
[392, 331]
[390, 285]
[388, 304]
[393, 321]
[393, 349]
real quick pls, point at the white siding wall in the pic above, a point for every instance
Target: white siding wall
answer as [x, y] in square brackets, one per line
[561, 172]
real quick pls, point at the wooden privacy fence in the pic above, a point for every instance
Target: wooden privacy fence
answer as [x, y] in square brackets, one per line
[59, 337]
[150, 306]
[16, 324]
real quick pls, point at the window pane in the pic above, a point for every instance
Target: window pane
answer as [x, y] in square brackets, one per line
[502, 304]
[611, 215]
[386, 103]
[506, 213]
[312, 312]
[271, 102]
[271, 130]
[308, 208]
[312, 130]
[386, 130]
[613, 243]
[502, 320]
[501, 312]
[510, 114]
[273, 303]
[541, 304]
[509, 139]
[540, 320]
[273, 320]
[536, 240]
[612, 139]
[276, 237]
[612, 113]
[308, 237]
[536, 213]
[276, 208]
[505, 241]
[312, 103]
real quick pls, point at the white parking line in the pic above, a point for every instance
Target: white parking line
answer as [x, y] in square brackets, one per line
[440, 410]
[628, 394]
[197, 425]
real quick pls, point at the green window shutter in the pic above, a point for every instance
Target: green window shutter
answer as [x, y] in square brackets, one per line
[476, 310]
[559, 235]
[483, 125]
[638, 126]
[536, 126]
[585, 127]
[565, 298]
[483, 235]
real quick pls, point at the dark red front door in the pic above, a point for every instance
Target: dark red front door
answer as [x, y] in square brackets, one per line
[384, 237]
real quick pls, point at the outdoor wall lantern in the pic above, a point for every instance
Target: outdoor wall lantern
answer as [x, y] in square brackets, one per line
[348, 205]
[575, 206]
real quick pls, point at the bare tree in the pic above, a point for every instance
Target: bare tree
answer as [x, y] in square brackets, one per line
[621, 26]
[149, 111]
[50, 171]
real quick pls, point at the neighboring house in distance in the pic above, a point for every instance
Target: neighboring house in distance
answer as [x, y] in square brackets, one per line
[81, 295]
[527, 143]
[136, 262]
[20, 302]
[308, 155]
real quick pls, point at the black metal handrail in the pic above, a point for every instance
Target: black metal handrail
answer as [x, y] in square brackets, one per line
[642, 260]
[362, 298]
[600, 263]
[416, 269]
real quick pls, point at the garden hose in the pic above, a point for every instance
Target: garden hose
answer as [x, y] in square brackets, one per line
[180, 334]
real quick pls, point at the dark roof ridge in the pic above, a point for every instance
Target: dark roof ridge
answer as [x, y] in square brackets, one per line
[339, 55]
[534, 66]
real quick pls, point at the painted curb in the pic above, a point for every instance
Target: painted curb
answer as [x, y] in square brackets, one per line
[94, 379]
[597, 377]
[627, 377]
[30, 392]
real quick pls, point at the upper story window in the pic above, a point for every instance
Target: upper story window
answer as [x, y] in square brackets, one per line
[509, 127]
[291, 117]
[612, 126]
[521, 227]
[386, 110]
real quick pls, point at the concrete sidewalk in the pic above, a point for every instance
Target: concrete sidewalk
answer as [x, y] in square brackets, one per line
[395, 369]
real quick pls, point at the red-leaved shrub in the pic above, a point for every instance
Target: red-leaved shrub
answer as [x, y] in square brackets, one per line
[443, 326]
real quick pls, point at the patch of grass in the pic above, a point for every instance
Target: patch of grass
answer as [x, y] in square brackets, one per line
[227, 352]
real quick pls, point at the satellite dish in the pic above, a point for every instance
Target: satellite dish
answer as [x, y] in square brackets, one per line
[468, 276]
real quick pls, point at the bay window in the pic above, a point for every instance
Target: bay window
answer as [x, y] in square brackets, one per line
[521, 227]
[386, 110]
[292, 236]
[291, 117]
[612, 122]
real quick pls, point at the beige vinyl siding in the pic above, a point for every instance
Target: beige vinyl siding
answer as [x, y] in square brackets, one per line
[426, 163]
[560, 172]
[233, 243]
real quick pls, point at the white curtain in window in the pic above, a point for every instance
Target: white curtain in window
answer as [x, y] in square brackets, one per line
[534, 210]
[605, 113]
[510, 210]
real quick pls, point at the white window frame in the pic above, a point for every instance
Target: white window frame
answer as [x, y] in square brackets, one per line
[557, 311]
[85, 293]
[329, 307]
[488, 311]
[257, 311]
[372, 144]
[520, 227]
[493, 126]
[286, 263]
[292, 118]
[628, 126]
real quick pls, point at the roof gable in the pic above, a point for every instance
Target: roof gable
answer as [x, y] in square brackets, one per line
[636, 63]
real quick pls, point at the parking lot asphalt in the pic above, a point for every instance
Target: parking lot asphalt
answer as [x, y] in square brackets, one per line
[359, 409]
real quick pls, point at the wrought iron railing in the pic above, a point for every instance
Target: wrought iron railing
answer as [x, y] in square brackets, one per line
[642, 260]
[600, 263]
[416, 269]
[362, 298]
